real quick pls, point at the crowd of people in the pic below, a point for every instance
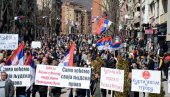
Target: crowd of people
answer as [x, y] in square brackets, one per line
[52, 52]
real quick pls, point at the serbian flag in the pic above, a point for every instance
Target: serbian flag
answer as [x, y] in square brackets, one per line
[117, 45]
[103, 25]
[30, 62]
[103, 43]
[17, 57]
[100, 44]
[68, 57]
[94, 18]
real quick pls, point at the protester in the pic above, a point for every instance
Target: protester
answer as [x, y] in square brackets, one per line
[95, 87]
[6, 86]
[55, 91]
[43, 89]
[86, 53]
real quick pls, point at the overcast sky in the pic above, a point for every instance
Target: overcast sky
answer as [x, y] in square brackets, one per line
[86, 3]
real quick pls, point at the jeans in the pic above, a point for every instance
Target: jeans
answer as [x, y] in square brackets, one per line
[71, 93]
[21, 94]
[88, 92]
[55, 95]
[28, 93]
[80, 96]
[43, 94]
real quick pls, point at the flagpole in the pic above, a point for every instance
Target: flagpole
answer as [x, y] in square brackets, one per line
[15, 92]
[114, 54]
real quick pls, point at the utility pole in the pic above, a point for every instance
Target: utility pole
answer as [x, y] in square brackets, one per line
[168, 27]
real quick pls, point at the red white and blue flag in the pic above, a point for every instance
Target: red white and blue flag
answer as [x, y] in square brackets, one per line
[116, 46]
[68, 57]
[103, 43]
[17, 57]
[103, 25]
[30, 62]
[106, 43]
[94, 18]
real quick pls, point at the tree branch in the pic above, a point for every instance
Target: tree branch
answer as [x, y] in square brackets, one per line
[100, 4]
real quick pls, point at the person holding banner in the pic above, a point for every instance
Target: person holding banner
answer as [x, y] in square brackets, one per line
[43, 89]
[95, 87]
[55, 91]
[6, 86]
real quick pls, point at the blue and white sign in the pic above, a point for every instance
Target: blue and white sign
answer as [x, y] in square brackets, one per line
[146, 81]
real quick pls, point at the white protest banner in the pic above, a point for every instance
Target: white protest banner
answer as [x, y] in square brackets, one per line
[20, 75]
[36, 44]
[48, 75]
[169, 81]
[75, 77]
[71, 77]
[112, 79]
[8, 41]
[146, 81]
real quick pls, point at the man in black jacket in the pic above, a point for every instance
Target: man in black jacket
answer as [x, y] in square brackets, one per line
[95, 87]
[151, 63]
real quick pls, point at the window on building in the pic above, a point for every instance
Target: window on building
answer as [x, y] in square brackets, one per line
[143, 10]
[139, 1]
[138, 8]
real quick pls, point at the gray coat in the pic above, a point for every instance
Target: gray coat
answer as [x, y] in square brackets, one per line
[9, 88]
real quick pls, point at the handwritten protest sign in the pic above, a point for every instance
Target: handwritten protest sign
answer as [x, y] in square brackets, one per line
[71, 77]
[48, 75]
[75, 77]
[20, 75]
[146, 81]
[112, 79]
[36, 44]
[8, 41]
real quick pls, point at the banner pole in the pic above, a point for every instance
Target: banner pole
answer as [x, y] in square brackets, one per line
[15, 92]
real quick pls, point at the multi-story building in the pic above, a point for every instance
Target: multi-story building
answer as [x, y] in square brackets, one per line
[96, 11]
[154, 21]
[75, 18]
[148, 20]
[111, 8]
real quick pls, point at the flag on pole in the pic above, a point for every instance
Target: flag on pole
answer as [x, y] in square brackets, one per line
[103, 43]
[117, 45]
[94, 18]
[68, 57]
[100, 44]
[17, 57]
[103, 25]
[30, 62]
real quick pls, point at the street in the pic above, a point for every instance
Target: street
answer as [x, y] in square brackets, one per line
[65, 92]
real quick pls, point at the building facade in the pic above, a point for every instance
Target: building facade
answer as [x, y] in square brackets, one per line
[75, 18]
[96, 11]
[148, 21]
